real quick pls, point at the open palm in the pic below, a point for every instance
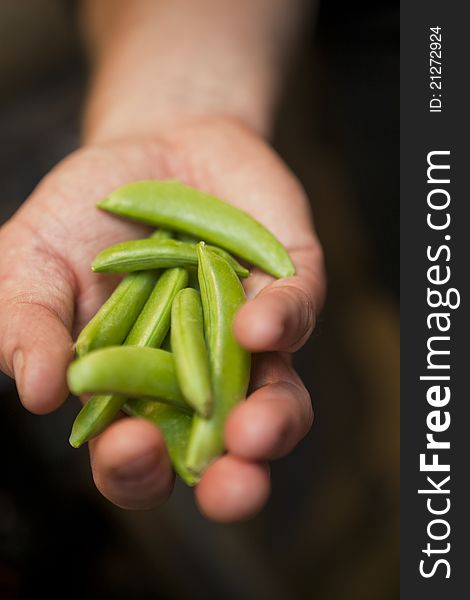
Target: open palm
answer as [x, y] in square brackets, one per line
[48, 292]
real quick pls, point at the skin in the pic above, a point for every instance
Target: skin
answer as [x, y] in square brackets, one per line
[210, 136]
[175, 427]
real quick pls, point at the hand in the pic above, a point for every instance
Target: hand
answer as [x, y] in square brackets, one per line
[48, 292]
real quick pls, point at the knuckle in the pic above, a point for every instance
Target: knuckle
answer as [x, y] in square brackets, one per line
[305, 413]
[302, 317]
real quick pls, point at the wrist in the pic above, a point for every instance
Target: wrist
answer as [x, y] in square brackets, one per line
[176, 103]
[158, 64]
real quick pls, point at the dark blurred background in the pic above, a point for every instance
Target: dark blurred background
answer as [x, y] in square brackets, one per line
[330, 530]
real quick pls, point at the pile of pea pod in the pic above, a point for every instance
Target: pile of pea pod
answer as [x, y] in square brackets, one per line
[162, 346]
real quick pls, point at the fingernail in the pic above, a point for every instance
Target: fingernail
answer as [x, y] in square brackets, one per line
[139, 469]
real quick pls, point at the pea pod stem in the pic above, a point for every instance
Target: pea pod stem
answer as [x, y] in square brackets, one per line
[222, 294]
[140, 255]
[178, 207]
[189, 350]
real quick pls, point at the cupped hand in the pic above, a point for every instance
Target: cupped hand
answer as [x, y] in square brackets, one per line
[48, 292]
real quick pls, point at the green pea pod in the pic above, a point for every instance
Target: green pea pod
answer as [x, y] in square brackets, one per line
[153, 323]
[239, 269]
[114, 319]
[221, 294]
[175, 426]
[140, 255]
[150, 329]
[94, 417]
[236, 266]
[128, 371]
[181, 208]
[192, 280]
[189, 350]
[112, 322]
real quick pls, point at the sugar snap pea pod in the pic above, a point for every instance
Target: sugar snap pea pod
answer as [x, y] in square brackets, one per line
[239, 269]
[181, 208]
[175, 426]
[236, 266]
[129, 371]
[189, 239]
[190, 352]
[94, 417]
[153, 323]
[149, 329]
[110, 326]
[139, 255]
[221, 294]
[113, 320]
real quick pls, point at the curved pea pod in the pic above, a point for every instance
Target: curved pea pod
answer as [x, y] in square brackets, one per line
[113, 321]
[175, 426]
[94, 417]
[182, 208]
[128, 371]
[222, 294]
[149, 329]
[189, 351]
[140, 255]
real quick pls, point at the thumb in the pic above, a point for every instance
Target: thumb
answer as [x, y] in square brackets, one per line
[36, 300]
[282, 314]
